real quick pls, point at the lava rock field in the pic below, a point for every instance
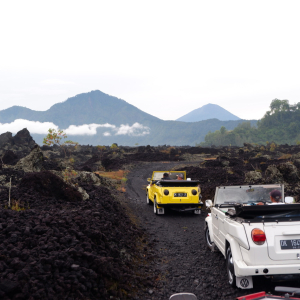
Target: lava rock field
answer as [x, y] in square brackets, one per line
[78, 237]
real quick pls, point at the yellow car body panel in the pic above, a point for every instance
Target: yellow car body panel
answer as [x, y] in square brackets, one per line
[177, 194]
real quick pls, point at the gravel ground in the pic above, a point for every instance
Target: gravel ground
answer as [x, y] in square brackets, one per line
[182, 261]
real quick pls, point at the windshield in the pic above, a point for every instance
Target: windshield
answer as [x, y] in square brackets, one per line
[172, 175]
[246, 194]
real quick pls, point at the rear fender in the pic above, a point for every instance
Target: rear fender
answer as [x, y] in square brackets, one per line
[235, 250]
[237, 231]
[156, 196]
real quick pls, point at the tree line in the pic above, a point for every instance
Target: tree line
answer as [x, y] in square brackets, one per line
[281, 125]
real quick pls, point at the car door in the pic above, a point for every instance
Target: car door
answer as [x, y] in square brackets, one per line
[152, 191]
[215, 224]
[222, 232]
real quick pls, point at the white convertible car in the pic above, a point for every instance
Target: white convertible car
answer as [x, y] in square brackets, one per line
[256, 240]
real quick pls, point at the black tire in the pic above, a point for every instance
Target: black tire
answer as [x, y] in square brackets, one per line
[148, 200]
[230, 268]
[209, 243]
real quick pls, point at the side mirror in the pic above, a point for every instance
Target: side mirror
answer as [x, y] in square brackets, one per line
[183, 296]
[208, 203]
[289, 200]
[149, 180]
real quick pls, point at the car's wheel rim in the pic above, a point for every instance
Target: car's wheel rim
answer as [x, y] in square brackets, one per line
[208, 237]
[230, 268]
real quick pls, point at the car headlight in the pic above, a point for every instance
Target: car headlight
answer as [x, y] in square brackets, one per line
[194, 192]
[166, 192]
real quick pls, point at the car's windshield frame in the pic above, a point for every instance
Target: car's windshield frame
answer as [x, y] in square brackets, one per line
[246, 194]
[158, 175]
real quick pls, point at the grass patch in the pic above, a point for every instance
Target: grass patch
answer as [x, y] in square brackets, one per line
[15, 205]
[117, 175]
[168, 150]
[285, 156]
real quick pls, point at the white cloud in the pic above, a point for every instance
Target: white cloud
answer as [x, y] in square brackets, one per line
[35, 127]
[86, 129]
[136, 129]
[32, 126]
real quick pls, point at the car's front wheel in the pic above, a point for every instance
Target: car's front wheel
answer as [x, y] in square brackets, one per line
[230, 268]
[209, 243]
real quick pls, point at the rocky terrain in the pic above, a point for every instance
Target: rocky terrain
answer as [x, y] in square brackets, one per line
[69, 231]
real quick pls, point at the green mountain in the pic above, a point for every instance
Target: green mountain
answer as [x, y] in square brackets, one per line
[208, 111]
[280, 125]
[98, 108]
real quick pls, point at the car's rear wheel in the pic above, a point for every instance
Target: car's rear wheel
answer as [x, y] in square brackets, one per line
[155, 206]
[148, 201]
[209, 243]
[230, 268]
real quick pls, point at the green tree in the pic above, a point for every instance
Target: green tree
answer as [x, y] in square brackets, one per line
[55, 138]
[223, 130]
[114, 146]
[279, 105]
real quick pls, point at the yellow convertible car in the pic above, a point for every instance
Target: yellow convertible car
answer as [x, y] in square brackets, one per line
[171, 189]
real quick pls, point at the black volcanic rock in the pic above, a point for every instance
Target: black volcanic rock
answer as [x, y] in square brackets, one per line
[9, 157]
[23, 138]
[59, 245]
[6, 139]
[50, 185]
[22, 141]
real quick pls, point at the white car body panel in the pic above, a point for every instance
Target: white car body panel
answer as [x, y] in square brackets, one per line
[251, 259]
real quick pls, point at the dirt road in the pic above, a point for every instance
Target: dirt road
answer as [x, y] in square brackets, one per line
[182, 261]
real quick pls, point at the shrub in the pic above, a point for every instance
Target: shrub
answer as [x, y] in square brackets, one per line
[55, 138]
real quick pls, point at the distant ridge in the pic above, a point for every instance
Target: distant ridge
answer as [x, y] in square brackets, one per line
[208, 111]
[86, 108]
[120, 122]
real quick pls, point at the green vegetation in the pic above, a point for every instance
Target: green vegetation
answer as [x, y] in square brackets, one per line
[55, 138]
[69, 174]
[114, 146]
[280, 125]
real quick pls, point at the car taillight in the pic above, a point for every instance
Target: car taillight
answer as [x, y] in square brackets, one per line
[258, 236]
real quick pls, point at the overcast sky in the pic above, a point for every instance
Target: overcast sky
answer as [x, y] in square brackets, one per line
[165, 57]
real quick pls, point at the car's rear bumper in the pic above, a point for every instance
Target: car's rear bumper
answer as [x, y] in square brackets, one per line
[181, 207]
[241, 269]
